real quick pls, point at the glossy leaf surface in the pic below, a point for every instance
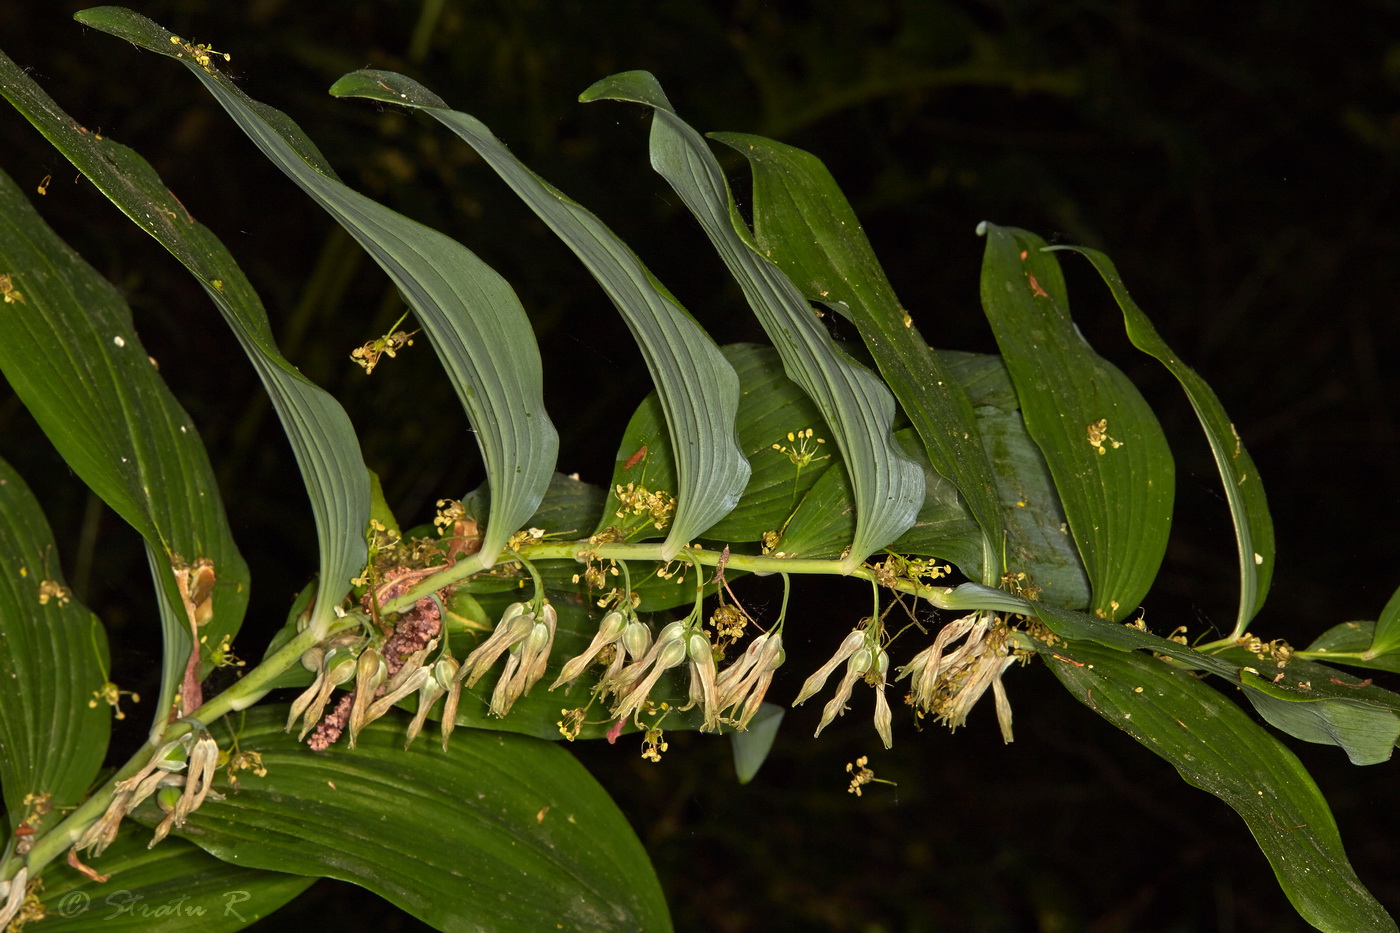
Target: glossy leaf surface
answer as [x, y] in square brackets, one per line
[72, 355]
[174, 888]
[803, 223]
[1215, 746]
[501, 833]
[1113, 470]
[1244, 490]
[53, 656]
[320, 432]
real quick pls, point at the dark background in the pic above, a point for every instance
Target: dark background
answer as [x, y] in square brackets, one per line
[1238, 161]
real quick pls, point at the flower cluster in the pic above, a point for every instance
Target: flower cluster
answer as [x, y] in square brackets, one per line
[865, 660]
[731, 696]
[528, 637]
[948, 681]
[185, 766]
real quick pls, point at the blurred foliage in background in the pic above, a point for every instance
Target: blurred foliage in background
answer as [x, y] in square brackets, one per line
[1239, 161]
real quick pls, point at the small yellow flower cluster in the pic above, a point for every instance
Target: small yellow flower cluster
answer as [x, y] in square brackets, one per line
[636, 501]
[201, 52]
[52, 589]
[1098, 436]
[803, 451]
[110, 694]
[8, 291]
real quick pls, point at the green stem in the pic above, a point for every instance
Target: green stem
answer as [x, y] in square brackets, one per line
[965, 597]
[243, 694]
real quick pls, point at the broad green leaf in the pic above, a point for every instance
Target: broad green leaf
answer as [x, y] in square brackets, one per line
[1318, 703]
[1351, 643]
[1113, 470]
[71, 353]
[856, 406]
[1386, 638]
[1329, 706]
[698, 389]
[1365, 733]
[500, 833]
[320, 432]
[471, 315]
[771, 407]
[1039, 543]
[751, 747]
[1215, 746]
[175, 887]
[53, 657]
[1254, 529]
[803, 223]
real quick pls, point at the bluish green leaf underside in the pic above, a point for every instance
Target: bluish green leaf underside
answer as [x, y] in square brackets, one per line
[855, 404]
[698, 389]
[803, 223]
[471, 315]
[320, 432]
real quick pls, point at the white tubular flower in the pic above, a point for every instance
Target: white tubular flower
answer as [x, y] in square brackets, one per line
[370, 671]
[444, 673]
[862, 660]
[336, 666]
[852, 643]
[882, 706]
[948, 683]
[702, 679]
[526, 663]
[636, 681]
[746, 680]
[609, 633]
[13, 893]
[515, 626]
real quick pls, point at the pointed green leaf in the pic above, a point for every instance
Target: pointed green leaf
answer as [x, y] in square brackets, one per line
[1386, 638]
[1215, 746]
[1352, 643]
[698, 389]
[1113, 470]
[751, 747]
[1310, 701]
[471, 315]
[174, 888]
[320, 432]
[53, 656]
[71, 353]
[803, 223]
[856, 406]
[500, 833]
[1365, 733]
[1254, 529]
